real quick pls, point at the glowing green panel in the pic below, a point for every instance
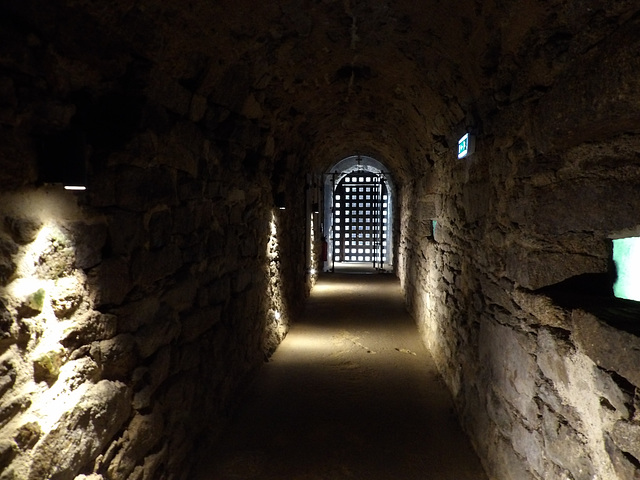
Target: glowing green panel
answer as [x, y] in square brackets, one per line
[626, 256]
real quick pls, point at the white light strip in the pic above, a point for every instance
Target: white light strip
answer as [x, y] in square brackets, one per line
[75, 187]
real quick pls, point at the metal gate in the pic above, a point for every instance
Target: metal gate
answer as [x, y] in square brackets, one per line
[360, 219]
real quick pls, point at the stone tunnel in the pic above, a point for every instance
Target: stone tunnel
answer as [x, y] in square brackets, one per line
[203, 133]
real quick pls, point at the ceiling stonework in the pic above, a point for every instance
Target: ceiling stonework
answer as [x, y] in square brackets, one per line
[397, 80]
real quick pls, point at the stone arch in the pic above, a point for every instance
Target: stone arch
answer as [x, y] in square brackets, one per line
[338, 172]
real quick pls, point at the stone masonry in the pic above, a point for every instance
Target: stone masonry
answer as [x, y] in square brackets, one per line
[133, 314]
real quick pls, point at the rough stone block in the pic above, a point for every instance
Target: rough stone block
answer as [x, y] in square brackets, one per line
[67, 295]
[609, 348]
[610, 394]
[89, 328]
[153, 464]
[564, 446]
[532, 269]
[551, 355]
[199, 322]
[152, 378]
[116, 356]
[136, 189]
[8, 450]
[126, 232]
[141, 436]
[110, 282]
[57, 258]
[181, 296]
[624, 469]
[6, 322]
[530, 446]
[182, 148]
[241, 281]
[90, 240]
[626, 436]
[47, 365]
[511, 366]
[499, 413]
[28, 435]
[169, 93]
[542, 309]
[507, 464]
[32, 304]
[13, 407]
[252, 108]
[136, 314]
[198, 108]
[189, 358]
[8, 376]
[82, 432]
[7, 265]
[548, 395]
[160, 229]
[22, 230]
[148, 267]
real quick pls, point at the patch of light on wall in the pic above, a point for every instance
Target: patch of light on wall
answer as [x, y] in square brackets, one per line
[34, 280]
[54, 402]
[279, 319]
[626, 256]
[312, 260]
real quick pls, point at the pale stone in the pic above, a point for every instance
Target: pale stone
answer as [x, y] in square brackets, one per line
[564, 447]
[609, 348]
[81, 433]
[143, 432]
[511, 366]
[530, 445]
[626, 436]
[23, 230]
[66, 296]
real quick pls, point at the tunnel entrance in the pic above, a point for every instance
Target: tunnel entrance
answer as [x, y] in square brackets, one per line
[358, 212]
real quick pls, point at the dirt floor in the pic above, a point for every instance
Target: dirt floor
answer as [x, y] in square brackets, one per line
[351, 393]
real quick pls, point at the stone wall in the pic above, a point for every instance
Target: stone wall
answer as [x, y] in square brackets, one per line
[132, 314]
[511, 291]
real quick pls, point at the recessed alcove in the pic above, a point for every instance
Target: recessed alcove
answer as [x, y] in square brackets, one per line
[593, 293]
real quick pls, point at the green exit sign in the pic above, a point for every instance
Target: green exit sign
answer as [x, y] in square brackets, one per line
[466, 145]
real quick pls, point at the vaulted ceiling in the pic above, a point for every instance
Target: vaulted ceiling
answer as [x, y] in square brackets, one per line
[395, 79]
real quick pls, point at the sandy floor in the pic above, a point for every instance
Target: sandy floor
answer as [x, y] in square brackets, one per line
[350, 394]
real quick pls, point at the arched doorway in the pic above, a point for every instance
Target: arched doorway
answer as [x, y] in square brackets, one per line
[358, 214]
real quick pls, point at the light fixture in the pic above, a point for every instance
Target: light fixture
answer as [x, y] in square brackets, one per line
[62, 159]
[280, 200]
